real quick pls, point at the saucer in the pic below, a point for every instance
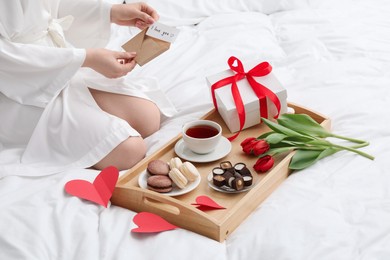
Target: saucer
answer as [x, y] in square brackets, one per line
[223, 148]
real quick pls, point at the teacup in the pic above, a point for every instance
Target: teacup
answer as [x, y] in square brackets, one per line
[201, 136]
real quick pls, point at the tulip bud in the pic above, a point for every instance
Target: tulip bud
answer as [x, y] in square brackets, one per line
[247, 141]
[263, 164]
[247, 145]
[260, 147]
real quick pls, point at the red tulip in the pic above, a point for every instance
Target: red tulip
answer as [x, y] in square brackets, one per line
[247, 149]
[260, 147]
[247, 141]
[254, 146]
[247, 144]
[263, 164]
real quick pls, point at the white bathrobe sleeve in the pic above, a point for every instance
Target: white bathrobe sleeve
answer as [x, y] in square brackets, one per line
[32, 74]
[91, 25]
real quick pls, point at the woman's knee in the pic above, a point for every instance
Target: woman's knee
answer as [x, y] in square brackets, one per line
[125, 155]
[133, 150]
[142, 114]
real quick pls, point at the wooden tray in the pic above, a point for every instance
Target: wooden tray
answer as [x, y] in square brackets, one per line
[215, 224]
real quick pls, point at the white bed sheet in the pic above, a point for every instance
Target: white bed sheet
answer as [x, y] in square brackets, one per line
[332, 57]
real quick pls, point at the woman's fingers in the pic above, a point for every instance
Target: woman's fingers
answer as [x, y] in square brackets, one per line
[125, 57]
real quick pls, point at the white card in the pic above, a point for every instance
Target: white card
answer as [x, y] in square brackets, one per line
[162, 32]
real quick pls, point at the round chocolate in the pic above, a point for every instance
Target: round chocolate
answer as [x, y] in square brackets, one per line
[248, 180]
[231, 170]
[237, 183]
[218, 171]
[242, 169]
[219, 180]
[239, 166]
[228, 175]
[226, 165]
[229, 181]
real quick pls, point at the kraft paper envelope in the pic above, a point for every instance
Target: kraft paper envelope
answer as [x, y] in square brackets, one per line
[146, 47]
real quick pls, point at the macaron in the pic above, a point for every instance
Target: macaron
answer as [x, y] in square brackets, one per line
[178, 178]
[175, 162]
[189, 171]
[158, 167]
[159, 183]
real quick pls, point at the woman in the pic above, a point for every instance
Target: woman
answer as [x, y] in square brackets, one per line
[63, 97]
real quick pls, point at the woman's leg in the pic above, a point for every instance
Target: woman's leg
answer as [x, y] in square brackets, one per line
[125, 155]
[143, 115]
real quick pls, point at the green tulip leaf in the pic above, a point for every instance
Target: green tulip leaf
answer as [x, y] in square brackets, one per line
[279, 128]
[303, 124]
[263, 136]
[305, 158]
[301, 139]
[275, 138]
[283, 144]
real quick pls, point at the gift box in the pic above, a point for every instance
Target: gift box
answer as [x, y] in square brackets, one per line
[225, 102]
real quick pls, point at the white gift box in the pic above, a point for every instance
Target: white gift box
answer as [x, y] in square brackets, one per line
[227, 108]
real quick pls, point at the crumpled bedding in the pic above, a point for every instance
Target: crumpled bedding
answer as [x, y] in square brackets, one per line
[332, 57]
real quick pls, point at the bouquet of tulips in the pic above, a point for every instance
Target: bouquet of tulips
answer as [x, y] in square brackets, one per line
[299, 133]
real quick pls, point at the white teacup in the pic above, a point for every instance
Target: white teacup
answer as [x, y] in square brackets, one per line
[201, 136]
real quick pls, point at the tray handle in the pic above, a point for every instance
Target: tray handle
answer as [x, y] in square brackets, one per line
[138, 199]
[160, 203]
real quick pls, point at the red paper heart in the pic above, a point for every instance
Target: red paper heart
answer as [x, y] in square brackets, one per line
[204, 202]
[100, 191]
[150, 223]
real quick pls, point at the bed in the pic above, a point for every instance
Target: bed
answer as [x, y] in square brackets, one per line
[332, 57]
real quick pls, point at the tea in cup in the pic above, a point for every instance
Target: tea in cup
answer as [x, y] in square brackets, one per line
[201, 136]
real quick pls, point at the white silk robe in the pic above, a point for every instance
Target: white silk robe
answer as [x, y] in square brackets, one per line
[49, 121]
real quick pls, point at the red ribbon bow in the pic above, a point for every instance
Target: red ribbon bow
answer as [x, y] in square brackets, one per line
[262, 92]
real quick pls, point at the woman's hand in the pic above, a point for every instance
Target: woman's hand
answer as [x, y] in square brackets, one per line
[140, 15]
[108, 63]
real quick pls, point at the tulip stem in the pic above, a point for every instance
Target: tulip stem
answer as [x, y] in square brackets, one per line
[355, 151]
[348, 139]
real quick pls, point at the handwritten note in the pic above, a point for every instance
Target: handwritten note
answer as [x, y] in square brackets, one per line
[162, 32]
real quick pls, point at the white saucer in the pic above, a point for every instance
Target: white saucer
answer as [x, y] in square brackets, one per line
[142, 182]
[223, 148]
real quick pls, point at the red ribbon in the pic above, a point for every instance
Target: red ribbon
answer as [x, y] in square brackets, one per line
[262, 92]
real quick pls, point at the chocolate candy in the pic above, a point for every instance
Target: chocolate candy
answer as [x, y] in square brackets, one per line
[237, 183]
[239, 166]
[248, 180]
[218, 171]
[228, 175]
[219, 180]
[242, 169]
[235, 177]
[226, 165]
